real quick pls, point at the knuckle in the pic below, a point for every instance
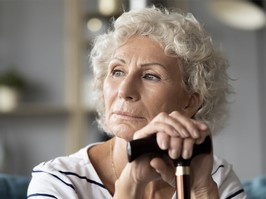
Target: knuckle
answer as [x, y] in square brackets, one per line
[162, 115]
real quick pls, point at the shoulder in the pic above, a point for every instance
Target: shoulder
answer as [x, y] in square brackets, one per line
[66, 177]
[220, 169]
[73, 162]
[227, 181]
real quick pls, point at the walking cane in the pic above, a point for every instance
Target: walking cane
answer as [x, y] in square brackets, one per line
[136, 148]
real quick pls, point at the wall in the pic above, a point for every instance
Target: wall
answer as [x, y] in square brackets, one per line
[32, 39]
[241, 141]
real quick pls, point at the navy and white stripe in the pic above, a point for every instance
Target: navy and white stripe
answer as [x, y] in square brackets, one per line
[41, 195]
[241, 191]
[228, 183]
[75, 177]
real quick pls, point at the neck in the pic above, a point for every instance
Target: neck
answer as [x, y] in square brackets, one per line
[159, 189]
[119, 156]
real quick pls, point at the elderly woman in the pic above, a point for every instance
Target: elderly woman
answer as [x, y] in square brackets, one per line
[156, 72]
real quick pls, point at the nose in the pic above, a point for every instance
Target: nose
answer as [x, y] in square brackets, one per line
[129, 89]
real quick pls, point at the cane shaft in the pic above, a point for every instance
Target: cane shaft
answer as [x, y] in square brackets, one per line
[182, 182]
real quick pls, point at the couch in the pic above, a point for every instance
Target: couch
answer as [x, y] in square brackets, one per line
[15, 187]
[256, 187]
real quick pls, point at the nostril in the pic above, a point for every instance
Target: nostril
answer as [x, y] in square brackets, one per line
[129, 95]
[129, 88]
[129, 98]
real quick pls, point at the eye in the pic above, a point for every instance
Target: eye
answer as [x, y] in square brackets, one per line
[151, 77]
[117, 73]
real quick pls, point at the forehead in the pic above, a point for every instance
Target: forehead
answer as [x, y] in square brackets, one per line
[143, 47]
[140, 41]
[144, 51]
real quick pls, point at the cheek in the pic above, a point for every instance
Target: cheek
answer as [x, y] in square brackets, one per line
[109, 94]
[168, 101]
[106, 93]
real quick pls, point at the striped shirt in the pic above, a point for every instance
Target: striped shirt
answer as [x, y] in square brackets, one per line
[75, 177]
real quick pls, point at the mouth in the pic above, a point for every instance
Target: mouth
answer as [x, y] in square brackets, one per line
[127, 115]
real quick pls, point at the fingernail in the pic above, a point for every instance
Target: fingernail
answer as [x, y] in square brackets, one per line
[164, 145]
[186, 154]
[174, 154]
[203, 126]
[196, 134]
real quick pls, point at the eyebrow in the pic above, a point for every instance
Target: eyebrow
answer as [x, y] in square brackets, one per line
[119, 59]
[153, 63]
[142, 65]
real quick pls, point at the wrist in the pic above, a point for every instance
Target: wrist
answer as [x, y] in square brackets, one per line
[127, 187]
[209, 190]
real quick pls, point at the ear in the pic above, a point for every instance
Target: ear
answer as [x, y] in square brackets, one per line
[193, 104]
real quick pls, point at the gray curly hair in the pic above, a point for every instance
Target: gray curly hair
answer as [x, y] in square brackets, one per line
[181, 35]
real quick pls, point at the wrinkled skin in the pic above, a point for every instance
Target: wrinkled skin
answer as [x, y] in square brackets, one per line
[143, 95]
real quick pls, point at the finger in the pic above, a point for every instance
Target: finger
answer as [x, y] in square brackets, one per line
[161, 123]
[153, 128]
[191, 127]
[204, 134]
[175, 147]
[163, 140]
[187, 149]
[201, 125]
[180, 129]
[175, 128]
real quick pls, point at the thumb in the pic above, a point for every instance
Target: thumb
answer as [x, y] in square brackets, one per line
[166, 169]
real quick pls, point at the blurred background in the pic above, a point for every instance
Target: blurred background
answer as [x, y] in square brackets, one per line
[46, 106]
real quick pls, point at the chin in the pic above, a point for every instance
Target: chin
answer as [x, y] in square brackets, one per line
[123, 131]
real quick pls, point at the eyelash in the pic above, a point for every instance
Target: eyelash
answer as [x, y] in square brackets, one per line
[114, 73]
[151, 77]
[147, 76]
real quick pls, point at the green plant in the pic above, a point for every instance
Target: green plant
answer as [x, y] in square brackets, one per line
[11, 78]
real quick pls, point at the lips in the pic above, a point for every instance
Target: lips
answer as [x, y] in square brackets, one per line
[127, 115]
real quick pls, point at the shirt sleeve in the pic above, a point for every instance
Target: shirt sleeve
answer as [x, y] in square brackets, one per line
[228, 183]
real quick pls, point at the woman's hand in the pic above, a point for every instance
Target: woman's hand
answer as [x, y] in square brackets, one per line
[177, 134]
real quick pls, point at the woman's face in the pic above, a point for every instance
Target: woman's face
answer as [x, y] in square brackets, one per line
[141, 82]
